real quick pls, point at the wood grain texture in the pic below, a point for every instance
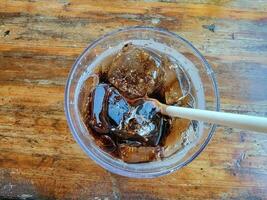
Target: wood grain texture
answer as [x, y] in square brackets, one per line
[39, 41]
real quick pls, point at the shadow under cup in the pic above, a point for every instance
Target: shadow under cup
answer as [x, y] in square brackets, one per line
[195, 65]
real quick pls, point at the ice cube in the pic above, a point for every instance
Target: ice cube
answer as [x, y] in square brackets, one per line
[106, 143]
[176, 83]
[134, 72]
[147, 109]
[117, 107]
[97, 118]
[174, 140]
[143, 123]
[133, 154]
[87, 87]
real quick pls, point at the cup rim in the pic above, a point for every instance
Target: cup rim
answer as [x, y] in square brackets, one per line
[123, 172]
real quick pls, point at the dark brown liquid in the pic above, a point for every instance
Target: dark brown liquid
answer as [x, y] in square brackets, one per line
[123, 122]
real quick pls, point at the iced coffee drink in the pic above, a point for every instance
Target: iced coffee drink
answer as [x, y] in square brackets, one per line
[116, 108]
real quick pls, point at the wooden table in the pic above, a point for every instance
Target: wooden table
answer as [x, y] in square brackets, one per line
[39, 41]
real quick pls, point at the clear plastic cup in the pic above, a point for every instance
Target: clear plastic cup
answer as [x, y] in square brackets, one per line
[200, 73]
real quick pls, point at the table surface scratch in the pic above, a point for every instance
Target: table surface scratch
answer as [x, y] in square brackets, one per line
[39, 42]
